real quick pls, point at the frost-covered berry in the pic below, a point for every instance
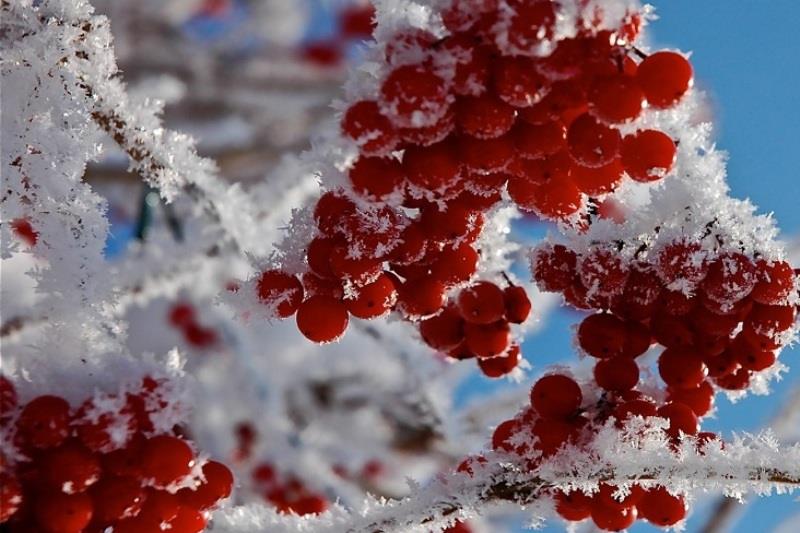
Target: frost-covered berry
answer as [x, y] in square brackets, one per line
[280, 291]
[374, 133]
[481, 303]
[443, 331]
[647, 155]
[488, 340]
[413, 96]
[495, 367]
[374, 299]
[664, 77]
[615, 99]
[554, 267]
[591, 143]
[322, 319]
[166, 459]
[44, 421]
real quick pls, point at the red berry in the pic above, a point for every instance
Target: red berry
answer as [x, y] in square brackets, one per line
[473, 64]
[428, 135]
[217, 486]
[539, 140]
[557, 199]
[591, 143]
[602, 335]
[432, 168]
[552, 169]
[736, 380]
[487, 340]
[494, 367]
[573, 506]
[455, 265]
[11, 496]
[374, 299]
[517, 81]
[613, 518]
[420, 298]
[181, 315]
[730, 278]
[556, 396]
[672, 332]
[159, 507]
[617, 374]
[751, 357]
[280, 291]
[681, 265]
[376, 178]
[530, 23]
[166, 460]
[661, 508]
[44, 421]
[615, 99]
[443, 331]
[681, 369]
[552, 434]
[357, 20]
[554, 267]
[700, 398]
[503, 434]
[647, 155]
[595, 181]
[356, 270]
[374, 133]
[63, 513]
[770, 320]
[117, 498]
[664, 78]
[70, 468]
[517, 304]
[187, 520]
[776, 281]
[461, 15]
[452, 225]
[312, 504]
[331, 210]
[603, 273]
[481, 303]
[322, 319]
[484, 117]
[414, 96]
[681, 418]
[485, 156]
[624, 411]
[608, 496]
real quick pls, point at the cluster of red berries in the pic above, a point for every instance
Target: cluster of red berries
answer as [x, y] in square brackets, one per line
[286, 492]
[558, 416]
[479, 109]
[101, 465]
[183, 317]
[476, 324]
[720, 315]
[355, 22]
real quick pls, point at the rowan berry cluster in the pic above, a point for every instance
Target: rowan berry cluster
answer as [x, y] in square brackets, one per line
[559, 416]
[101, 465]
[476, 324]
[286, 492]
[183, 317]
[721, 315]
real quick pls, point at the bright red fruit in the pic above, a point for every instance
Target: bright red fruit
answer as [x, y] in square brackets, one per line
[484, 117]
[612, 518]
[487, 340]
[166, 460]
[573, 506]
[64, 513]
[413, 96]
[539, 140]
[530, 23]
[554, 267]
[494, 367]
[730, 278]
[681, 419]
[117, 498]
[420, 298]
[322, 319]
[700, 398]
[681, 265]
[616, 374]
[434, 167]
[374, 299]
[44, 421]
[217, 486]
[282, 292]
[556, 396]
[615, 99]
[443, 331]
[681, 369]
[517, 81]
[647, 155]
[594, 181]
[503, 434]
[603, 273]
[376, 178]
[70, 468]
[481, 303]
[664, 78]
[602, 335]
[374, 133]
[591, 143]
[661, 508]
[517, 303]
[776, 281]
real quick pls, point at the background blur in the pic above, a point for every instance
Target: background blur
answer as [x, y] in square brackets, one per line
[251, 79]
